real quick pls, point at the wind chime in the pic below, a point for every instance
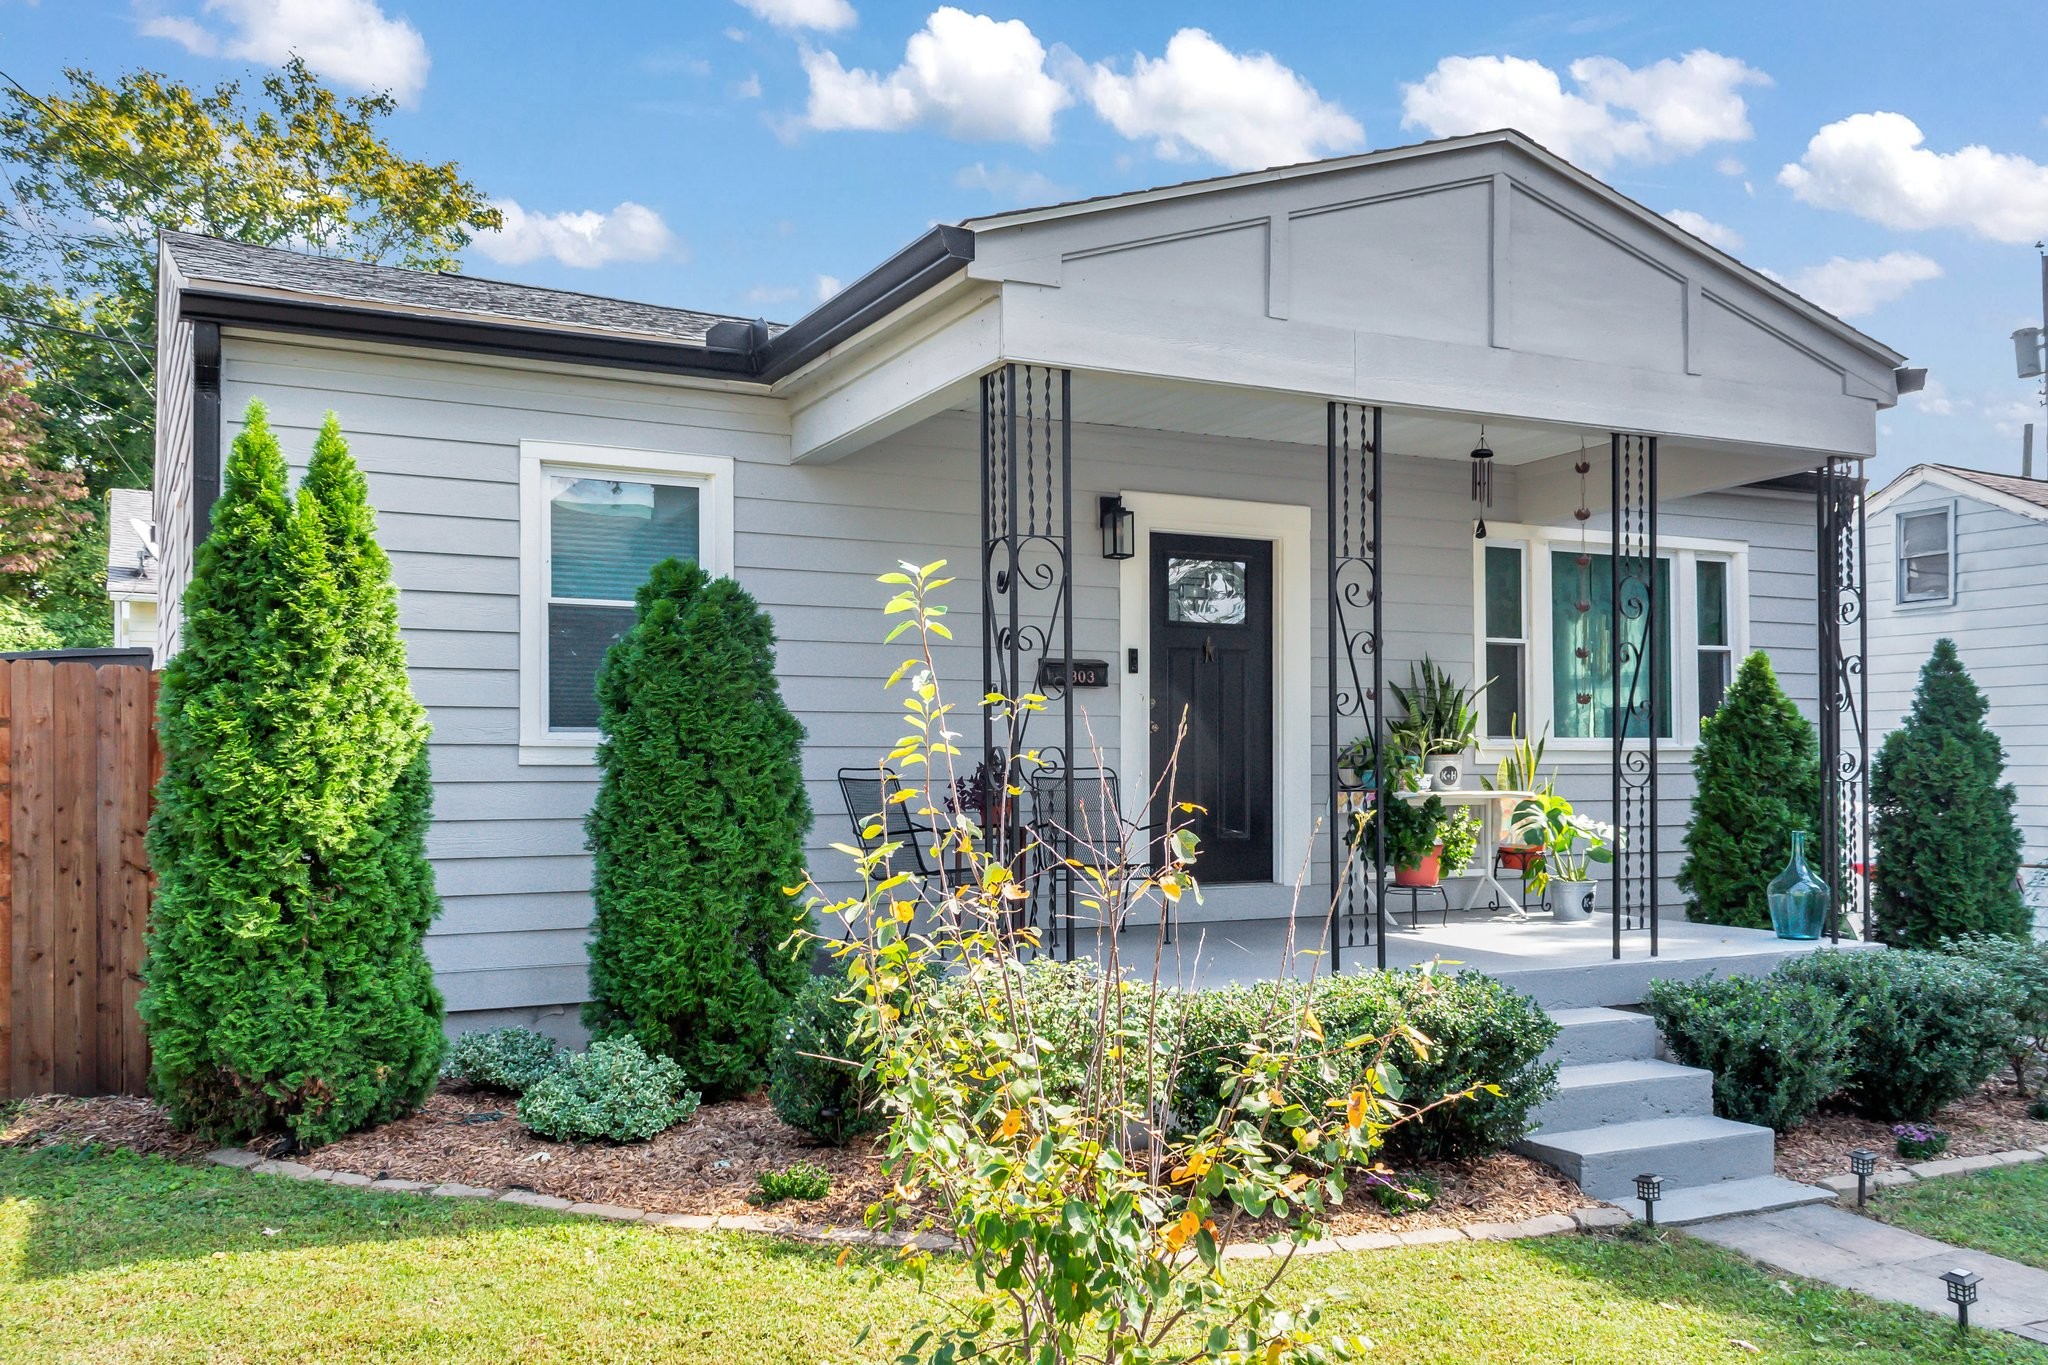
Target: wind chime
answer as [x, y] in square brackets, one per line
[1482, 483]
[1583, 606]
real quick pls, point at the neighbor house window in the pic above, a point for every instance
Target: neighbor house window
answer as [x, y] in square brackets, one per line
[1507, 642]
[1926, 555]
[1716, 653]
[1544, 631]
[594, 522]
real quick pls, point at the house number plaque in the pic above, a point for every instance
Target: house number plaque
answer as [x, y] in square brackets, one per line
[1053, 674]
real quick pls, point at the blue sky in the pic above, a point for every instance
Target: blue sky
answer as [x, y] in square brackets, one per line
[745, 155]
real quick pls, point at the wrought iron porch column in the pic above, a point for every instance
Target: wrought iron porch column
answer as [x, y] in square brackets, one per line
[1844, 692]
[1638, 669]
[1353, 683]
[1027, 567]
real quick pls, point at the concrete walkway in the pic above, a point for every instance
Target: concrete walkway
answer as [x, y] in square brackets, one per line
[1824, 1242]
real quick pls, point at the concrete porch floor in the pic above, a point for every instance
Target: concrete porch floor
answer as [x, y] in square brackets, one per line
[1562, 965]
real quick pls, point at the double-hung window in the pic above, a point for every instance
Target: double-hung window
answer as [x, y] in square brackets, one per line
[1926, 550]
[594, 522]
[1546, 633]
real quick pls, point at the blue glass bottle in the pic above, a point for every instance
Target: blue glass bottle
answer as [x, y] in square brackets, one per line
[1799, 898]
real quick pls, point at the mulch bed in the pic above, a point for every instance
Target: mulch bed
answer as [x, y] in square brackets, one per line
[708, 1165]
[1992, 1120]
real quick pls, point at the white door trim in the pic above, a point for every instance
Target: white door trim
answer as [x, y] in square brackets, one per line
[1286, 526]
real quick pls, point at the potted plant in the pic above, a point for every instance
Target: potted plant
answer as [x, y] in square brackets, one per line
[1568, 844]
[1424, 840]
[1520, 772]
[1355, 764]
[1439, 720]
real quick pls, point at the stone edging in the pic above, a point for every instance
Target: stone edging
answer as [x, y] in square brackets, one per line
[1844, 1186]
[1593, 1218]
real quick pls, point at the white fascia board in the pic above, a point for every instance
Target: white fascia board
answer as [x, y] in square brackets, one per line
[895, 381]
[1921, 475]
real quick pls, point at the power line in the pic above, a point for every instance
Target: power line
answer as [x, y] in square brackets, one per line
[75, 332]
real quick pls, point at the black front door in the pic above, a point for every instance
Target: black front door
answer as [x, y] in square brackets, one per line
[1212, 659]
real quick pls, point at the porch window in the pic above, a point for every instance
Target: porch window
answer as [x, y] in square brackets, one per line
[1507, 641]
[1716, 655]
[594, 522]
[1583, 684]
[1926, 555]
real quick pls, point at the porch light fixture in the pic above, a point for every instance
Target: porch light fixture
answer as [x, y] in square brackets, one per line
[1482, 483]
[1119, 527]
[1863, 1162]
[1649, 1189]
[1962, 1292]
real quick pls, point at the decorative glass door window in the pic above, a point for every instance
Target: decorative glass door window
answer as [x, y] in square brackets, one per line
[1583, 685]
[604, 535]
[1925, 569]
[1507, 642]
[1205, 592]
[1716, 653]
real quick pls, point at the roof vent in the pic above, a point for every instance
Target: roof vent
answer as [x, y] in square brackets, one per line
[742, 337]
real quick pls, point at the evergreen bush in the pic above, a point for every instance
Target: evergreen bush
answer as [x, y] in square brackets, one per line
[1929, 1028]
[509, 1059]
[815, 1080]
[1947, 845]
[285, 983]
[2022, 965]
[698, 827]
[1758, 773]
[1777, 1048]
[613, 1093]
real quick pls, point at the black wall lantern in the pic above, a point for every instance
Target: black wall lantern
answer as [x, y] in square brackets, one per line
[1119, 527]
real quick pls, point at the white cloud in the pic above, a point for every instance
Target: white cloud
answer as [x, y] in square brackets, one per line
[1008, 182]
[1240, 110]
[352, 42]
[1850, 288]
[825, 14]
[630, 232]
[1873, 165]
[1706, 229]
[1730, 165]
[827, 286]
[964, 73]
[748, 89]
[1933, 399]
[1674, 107]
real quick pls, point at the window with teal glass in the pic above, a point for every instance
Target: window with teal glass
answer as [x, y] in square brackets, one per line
[1716, 651]
[604, 536]
[1507, 642]
[1583, 685]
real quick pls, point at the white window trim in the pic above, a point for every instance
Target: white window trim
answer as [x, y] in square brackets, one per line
[1951, 510]
[712, 473]
[1685, 552]
[1287, 527]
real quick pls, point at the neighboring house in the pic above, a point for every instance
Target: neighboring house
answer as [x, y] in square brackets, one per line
[1191, 374]
[1963, 553]
[132, 566]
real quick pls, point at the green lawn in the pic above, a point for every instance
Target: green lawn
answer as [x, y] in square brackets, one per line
[2002, 1211]
[114, 1257]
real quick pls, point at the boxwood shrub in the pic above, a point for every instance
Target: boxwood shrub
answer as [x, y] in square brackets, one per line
[1778, 1048]
[2023, 965]
[1061, 1001]
[814, 1078]
[508, 1059]
[1480, 1033]
[613, 1093]
[1930, 1028]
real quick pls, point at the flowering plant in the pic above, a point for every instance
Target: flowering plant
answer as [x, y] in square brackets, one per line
[1918, 1142]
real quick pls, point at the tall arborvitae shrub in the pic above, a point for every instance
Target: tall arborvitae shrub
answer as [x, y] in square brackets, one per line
[285, 984]
[1947, 843]
[1758, 774]
[699, 826]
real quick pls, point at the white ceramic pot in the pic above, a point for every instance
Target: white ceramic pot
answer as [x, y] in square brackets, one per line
[1573, 901]
[1448, 773]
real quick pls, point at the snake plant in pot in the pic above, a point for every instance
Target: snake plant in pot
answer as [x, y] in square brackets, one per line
[1439, 721]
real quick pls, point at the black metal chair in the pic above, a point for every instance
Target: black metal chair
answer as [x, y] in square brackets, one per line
[867, 792]
[1100, 831]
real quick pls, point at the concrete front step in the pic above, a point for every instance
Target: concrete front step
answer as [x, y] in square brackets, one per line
[1728, 1198]
[1689, 1151]
[1594, 1094]
[1599, 1034]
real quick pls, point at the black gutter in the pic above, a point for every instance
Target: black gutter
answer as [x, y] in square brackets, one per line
[509, 339]
[206, 451]
[942, 252]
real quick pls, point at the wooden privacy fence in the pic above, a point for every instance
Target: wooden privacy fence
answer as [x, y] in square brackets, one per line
[78, 760]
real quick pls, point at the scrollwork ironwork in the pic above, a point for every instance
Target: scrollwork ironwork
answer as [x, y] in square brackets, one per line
[1638, 667]
[1355, 681]
[1844, 693]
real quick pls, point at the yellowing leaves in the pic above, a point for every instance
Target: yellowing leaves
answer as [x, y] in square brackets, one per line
[1181, 1229]
[1013, 1124]
[1197, 1166]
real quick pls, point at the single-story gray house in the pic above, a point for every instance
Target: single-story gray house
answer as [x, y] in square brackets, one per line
[1963, 553]
[1225, 447]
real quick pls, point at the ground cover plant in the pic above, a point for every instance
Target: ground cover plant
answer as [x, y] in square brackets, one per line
[2002, 1211]
[698, 828]
[614, 1092]
[106, 1254]
[803, 1180]
[285, 983]
[509, 1059]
